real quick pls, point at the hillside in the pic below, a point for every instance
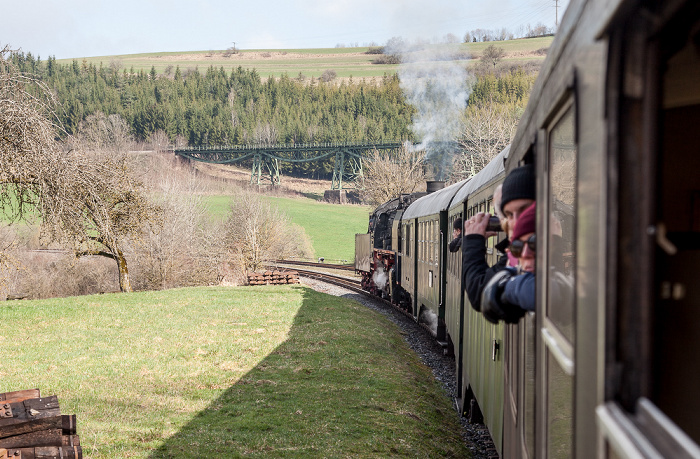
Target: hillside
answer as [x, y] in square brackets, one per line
[311, 63]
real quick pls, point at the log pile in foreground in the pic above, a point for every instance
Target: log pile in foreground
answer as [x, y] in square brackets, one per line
[273, 277]
[32, 427]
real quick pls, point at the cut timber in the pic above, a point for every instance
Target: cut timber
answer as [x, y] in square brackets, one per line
[43, 452]
[32, 427]
[19, 395]
[28, 410]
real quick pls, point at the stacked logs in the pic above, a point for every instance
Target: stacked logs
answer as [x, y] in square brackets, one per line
[32, 427]
[273, 277]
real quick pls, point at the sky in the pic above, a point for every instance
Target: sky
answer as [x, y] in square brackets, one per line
[86, 28]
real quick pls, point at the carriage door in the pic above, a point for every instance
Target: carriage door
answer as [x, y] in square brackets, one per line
[676, 311]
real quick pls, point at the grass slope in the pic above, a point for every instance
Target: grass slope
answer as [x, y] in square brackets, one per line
[276, 371]
[309, 62]
[331, 227]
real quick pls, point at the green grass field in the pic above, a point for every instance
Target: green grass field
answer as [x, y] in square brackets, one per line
[274, 371]
[331, 227]
[345, 62]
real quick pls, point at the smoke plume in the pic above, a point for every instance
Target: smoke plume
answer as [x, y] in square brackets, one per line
[429, 318]
[434, 79]
[380, 278]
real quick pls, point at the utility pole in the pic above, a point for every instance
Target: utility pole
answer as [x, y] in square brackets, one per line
[556, 13]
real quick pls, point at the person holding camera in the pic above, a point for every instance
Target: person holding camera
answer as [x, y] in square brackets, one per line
[511, 292]
[517, 193]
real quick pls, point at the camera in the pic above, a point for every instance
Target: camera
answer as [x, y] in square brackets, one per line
[494, 224]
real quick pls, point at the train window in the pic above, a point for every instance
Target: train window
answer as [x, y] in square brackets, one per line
[421, 241]
[559, 300]
[561, 224]
[407, 240]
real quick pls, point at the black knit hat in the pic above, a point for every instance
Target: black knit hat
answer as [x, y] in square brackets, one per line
[519, 184]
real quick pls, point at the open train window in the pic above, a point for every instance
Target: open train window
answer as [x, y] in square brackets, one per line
[676, 309]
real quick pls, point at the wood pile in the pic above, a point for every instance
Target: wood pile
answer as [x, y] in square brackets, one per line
[273, 277]
[32, 427]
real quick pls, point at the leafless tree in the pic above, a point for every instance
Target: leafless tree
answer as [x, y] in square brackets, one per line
[257, 233]
[328, 75]
[101, 132]
[159, 140]
[187, 249]
[99, 206]
[493, 54]
[488, 129]
[87, 197]
[387, 175]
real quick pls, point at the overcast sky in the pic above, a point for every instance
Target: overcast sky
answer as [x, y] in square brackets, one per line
[84, 28]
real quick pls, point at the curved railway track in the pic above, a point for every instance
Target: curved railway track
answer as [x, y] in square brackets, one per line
[315, 264]
[350, 284]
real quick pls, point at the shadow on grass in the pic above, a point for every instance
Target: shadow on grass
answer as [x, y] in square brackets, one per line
[342, 384]
[315, 196]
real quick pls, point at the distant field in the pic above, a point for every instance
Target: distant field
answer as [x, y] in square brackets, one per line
[346, 62]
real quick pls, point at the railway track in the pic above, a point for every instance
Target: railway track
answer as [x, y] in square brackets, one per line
[350, 284]
[315, 265]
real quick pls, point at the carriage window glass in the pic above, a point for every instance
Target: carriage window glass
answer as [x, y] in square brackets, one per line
[432, 242]
[561, 243]
[420, 238]
[559, 410]
[407, 240]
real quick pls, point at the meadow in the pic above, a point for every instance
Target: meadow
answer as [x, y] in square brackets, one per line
[331, 227]
[273, 371]
[310, 63]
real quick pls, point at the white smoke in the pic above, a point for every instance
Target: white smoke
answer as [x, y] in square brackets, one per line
[429, 318]
[434, 79]
[380, 278]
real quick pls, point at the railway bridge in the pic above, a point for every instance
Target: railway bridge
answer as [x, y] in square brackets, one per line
[347, 170]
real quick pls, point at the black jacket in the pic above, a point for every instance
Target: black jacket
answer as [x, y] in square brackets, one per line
[475, 271]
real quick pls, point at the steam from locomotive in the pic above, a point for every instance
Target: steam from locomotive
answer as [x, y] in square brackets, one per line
[438, 86]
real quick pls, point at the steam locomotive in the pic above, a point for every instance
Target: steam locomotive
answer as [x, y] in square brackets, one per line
[610, 370]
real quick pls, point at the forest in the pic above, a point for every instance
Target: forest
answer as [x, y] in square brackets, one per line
[216, 107]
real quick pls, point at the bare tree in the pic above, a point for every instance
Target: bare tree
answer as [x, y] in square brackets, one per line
[99, 206]
[28, 148]
[87, 197]
[387, 175]
[187, 248]
[488, 129]
[493, 54]
[257, 233]
[159, 140]
[101, 132]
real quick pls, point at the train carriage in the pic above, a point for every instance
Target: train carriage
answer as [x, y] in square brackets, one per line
[428, 215]
[608, 364]
[612, 129]
[479, 358]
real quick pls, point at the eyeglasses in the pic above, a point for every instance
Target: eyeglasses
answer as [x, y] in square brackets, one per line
[517, 246]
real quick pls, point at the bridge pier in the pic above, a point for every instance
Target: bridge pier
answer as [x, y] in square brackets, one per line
[341, 197]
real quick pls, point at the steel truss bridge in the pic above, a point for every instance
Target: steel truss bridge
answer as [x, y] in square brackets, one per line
[347, 170]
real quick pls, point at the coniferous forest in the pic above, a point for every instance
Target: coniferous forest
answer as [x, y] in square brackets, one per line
[221, 108]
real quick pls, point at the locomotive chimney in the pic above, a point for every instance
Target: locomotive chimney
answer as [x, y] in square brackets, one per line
[434, 185]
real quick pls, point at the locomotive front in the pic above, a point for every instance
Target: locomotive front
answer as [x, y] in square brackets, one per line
[375, 251]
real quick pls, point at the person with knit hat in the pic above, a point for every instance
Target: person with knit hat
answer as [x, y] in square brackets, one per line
[508, 295]
[517, 193]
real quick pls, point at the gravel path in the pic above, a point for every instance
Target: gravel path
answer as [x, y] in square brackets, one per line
[476, 436]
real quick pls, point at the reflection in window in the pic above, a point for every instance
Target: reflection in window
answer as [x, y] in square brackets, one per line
[562, 223]
[559, 410]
